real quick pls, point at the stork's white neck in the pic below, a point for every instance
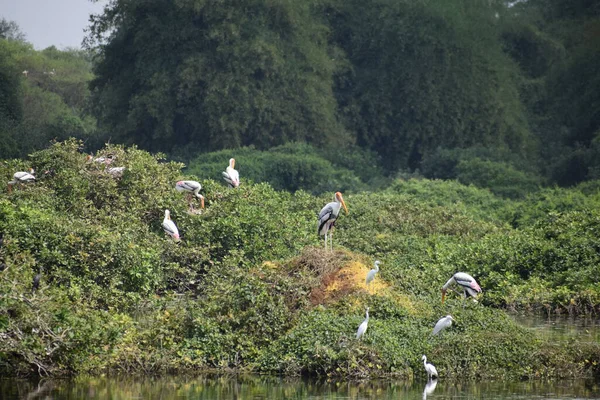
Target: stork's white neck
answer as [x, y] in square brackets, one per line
[450, 282]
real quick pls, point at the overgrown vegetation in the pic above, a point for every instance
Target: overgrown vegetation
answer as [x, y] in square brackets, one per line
[250, 287]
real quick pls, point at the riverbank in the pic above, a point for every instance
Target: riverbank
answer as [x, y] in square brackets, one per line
[249, 288]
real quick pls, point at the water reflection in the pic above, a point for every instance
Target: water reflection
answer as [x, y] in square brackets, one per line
[585, 329]
[429, 388]
[264, 387]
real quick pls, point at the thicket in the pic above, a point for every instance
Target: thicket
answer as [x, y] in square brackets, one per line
[250, 287]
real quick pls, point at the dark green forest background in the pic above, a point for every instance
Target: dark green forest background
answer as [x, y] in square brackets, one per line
[343, 94]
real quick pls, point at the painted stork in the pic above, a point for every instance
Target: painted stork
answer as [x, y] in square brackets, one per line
[21, 177]
[328, 215]
[231, 176]
[362, 329]
[431, 371]
[169, 227]
[443, 323]
[468, 284]
[191, 188]
[373, 272]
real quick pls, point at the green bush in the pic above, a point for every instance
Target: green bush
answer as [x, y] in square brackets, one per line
[249, 286]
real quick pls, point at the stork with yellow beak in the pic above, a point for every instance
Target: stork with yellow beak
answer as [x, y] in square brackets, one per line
[466, 282]
[231, 176]
[328, 216]
[191, 188]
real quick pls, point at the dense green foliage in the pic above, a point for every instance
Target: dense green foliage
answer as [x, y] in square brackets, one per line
[44, 97]
[296, 166]
[249, 287]
[405, 79]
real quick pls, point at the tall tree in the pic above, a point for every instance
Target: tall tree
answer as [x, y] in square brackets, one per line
[213, 74]
[426, 74]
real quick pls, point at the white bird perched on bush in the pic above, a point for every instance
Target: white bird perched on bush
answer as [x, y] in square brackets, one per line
[21, 177]
[231, 176]
[191, 188]
[170, 227]
[467, 283]
[443, 323]
[431, 371]
[328, 216]
[116, 171]
[362, 329]
[373, 272]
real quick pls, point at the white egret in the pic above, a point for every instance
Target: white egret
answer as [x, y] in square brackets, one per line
[231, 176]
[328, 216]
[431, 371]
[442, 324]
[191, 188]
[373, 272]
[467, 283]
[116, 171]
[169, 226]
[362, 329]
[21, 177]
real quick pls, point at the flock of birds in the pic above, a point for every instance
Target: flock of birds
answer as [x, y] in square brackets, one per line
[466, 282]
[326, 222]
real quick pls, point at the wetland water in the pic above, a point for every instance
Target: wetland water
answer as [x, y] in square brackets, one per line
[269, 387]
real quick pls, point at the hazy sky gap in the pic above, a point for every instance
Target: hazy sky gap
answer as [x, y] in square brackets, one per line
[51, 22]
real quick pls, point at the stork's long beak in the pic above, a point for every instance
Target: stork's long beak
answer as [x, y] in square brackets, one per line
[202, 202]
[232, 163]
[443, 295]
[343, 204]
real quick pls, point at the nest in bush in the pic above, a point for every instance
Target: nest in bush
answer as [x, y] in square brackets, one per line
[334, 275]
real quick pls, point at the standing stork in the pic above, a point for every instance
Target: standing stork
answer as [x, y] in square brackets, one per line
[169, 227]
[231, 176]
[467, 283]
[21, 177]
[191, 188]
[328, 215]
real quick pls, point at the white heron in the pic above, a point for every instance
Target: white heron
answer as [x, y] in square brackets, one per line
[467, 283]
[169, 227]
[21, 177]
[191, 188]
[362, 329]
[116, 171]
[373, 272]
[431, 371]
[231, 176]
[328, 216]
[443, 323]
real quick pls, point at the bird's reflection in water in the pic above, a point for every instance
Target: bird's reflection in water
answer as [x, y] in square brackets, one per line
[429, 388]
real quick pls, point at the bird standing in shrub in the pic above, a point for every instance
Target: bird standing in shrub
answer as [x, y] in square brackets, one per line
[373, 272]
[21, 177]
[231, 176]
[442, 324]
[431, 371]
[170, 227]
[191, 188]
[328, 216]
[468, 284]
[362, 329]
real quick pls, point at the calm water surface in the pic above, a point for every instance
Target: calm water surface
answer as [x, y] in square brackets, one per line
[268, 387]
